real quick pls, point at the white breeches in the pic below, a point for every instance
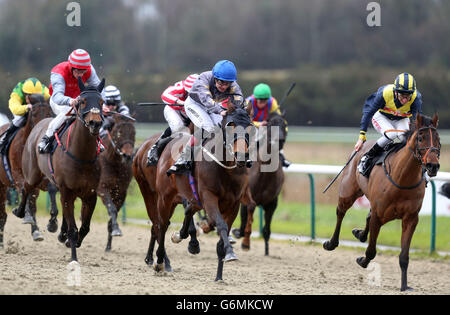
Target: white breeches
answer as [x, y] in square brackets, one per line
[199, 117]
[390, 129]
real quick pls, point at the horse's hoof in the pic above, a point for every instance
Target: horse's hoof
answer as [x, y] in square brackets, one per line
[37, 236]
[407, 289]
[231, 239]
[67, 243]
[18, 212]
[194, 249]
[107, 249]
[358, 234]
[116, 232]
[230, 257]
[62, 237]
[168, 268]
[52, 226]
[245, 247]
[176, 238]
[329, 246]
[149, 262]
[159, 268]
[236, 233]
[362, 262]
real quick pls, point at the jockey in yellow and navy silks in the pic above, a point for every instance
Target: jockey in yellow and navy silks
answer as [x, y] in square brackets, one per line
[264, 104]
[390, 109]
[19, 103]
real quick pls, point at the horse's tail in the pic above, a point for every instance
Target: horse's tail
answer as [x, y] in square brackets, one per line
[445, 190]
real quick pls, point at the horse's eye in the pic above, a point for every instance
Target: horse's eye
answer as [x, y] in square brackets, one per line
[420, 139]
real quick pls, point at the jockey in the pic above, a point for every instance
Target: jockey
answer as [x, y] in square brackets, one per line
[205, 106]
[263, 104]
[174, 96]
[65, 92]
[113, 102]
[19, 104]
[390, 109]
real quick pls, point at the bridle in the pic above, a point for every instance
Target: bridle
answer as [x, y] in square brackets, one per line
[117, 148]
[418, 156]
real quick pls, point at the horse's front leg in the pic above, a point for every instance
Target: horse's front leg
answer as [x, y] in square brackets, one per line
[408, 228]
[87, 209]
[67, 201]
[112, 211]
[3, 214]
[371, 251]
[52, 225]
[31, 209]
[248, 227]
[362, 234]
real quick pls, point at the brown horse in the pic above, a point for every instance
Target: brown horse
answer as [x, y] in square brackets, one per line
[74, 165]
[395, 190]
[116, 165]
[39, 111]
[265, 180]
[219, 188]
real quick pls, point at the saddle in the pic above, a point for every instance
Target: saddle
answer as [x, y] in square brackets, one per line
[389, 149]
[59, 133]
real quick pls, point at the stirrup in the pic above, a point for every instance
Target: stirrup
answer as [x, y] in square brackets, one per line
[44, 145]
[180, 168]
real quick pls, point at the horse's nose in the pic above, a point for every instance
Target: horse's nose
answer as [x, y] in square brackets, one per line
[432, 168]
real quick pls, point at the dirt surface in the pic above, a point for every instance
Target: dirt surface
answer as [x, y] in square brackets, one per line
[28, 267]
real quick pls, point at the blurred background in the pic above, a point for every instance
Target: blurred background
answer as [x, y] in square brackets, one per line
[325, 46]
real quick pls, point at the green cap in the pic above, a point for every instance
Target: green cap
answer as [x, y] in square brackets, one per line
[262, 90]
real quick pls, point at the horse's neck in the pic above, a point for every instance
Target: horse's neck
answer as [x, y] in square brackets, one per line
[404, 167]
[81, 143]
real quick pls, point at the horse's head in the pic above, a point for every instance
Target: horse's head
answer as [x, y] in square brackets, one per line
[236, 122]
[123, 135]
[89, 108]
[426, 143]
[276, 120]
[40, 108]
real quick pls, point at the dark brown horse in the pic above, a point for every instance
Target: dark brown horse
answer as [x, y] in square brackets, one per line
[266, 179]
[395, 190]
[39, 111]
[219, 188]
[116, 165]
[74, 165]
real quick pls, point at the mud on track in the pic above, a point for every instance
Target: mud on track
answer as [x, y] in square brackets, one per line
[28, 267]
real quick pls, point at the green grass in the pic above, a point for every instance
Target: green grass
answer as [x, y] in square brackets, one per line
[295, 218]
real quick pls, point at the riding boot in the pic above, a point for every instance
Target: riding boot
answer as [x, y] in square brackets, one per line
[11, 129]
[284, 161]
[156, 150]
[364, 166]
[184, 162]
[44, 145]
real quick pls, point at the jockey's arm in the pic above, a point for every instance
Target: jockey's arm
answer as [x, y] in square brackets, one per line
[59, 89]
[416, 106]
[201, 93]
[15, 105]
[173, 94]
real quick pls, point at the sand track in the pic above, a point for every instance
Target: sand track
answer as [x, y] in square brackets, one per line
[28, 267]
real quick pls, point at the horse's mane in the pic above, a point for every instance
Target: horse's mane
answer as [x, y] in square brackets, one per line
[426, 121]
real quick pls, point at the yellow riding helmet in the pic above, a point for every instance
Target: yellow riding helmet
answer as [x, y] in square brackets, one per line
[32, 86]
[405, 83]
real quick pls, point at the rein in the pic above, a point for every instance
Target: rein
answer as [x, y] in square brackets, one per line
[115, 146]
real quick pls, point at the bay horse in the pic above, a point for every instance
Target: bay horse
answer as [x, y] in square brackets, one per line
[219, 188]
[73, 166]
[395, 190]
[265, 184]
[116, 170]
[40, 110]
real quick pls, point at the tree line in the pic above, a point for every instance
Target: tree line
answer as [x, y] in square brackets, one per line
[325, 46]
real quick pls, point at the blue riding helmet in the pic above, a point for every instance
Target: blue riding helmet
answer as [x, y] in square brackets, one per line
[225, 70]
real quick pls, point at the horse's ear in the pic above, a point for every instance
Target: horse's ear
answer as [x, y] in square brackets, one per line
[435, 120]
[419, 120]
[101, 85]
[81, 84]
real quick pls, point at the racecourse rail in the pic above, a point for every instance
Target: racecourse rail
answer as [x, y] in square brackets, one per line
[311, 169]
